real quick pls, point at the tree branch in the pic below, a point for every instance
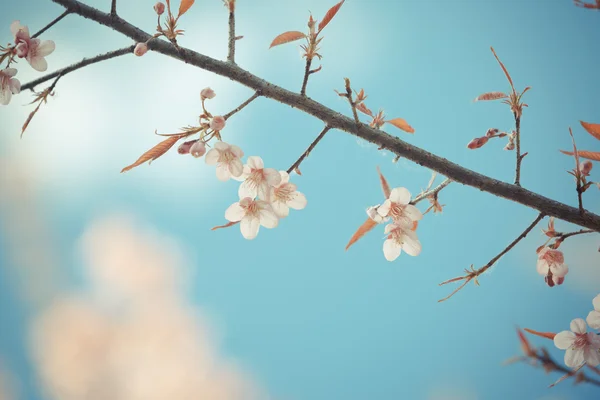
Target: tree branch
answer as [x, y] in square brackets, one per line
[337, 121]
[432, 192]
[231, 55]
[51, 24]
[85, 62]
[519, 156]
[241, 106]
[113, 7]
[310, 148]
[306, 75]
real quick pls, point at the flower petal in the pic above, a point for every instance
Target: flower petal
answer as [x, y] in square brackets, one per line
[400, 196]
[591, 355]
[596, 303]
[578, 326]
[563, 340]
[263, 191]
[247, 189]
[221, 146]
[280, 209]
[255, 162]
[236, 167]
[285, 177]
[249, 227]
[593, 319]
[574, 357]
[298, 201]
[212, 157]
[5, 96]
[542, 267]
[384, 209]
[411, 245]
[223, 172]
[235, 212]
[9, 71]
[391, 249]
[268, 218]
[15, 86]
[45, 48]
[38, 63]
[413, 212]
[236, 151]
[272, 176]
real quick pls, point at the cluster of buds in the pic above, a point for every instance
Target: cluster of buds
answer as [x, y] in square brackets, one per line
[170, 30]
[481, 141]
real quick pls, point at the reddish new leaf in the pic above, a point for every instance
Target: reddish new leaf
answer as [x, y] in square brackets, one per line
[590, 155]
[363, 109]
[592, 129]
[504, 69]
[185, 6]
[547, 335]
[329, 16]
[525, 346]
[384, 184]
[362, 231]
[287, 37]
[491, 96]
[154, 152]
[402, 124]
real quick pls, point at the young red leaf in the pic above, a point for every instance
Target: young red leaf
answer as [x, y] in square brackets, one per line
[504, 69]
[592, 129]
[384, 184]
[185, 6]
[329, 16]
[547, 335]
[590, 155]
[525, 346]
[362, 231]
[491, 96]
[154, 152]
[363, 109]
[402, 124]
[287, 37]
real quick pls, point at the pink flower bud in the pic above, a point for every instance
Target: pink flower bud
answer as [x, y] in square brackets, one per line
[159, 8]
[21, 50]
[198, 149]
[477, 142]
[207, 93]
[140, 49]
[585, 168]
[491, 132]
[217, 123]
[184, 148]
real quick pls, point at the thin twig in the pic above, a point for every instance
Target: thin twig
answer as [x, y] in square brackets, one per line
[472, 274]
[232, 38]
[310, 148]
[577, 174]
[113, 7]
[241, 106]
[52, 23]
[306, 75]
[85, 62]
[432, 192]
[564, 236]
[519, 156]
[351, 100]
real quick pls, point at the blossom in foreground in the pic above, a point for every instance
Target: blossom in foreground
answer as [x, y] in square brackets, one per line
[400, 237]
[227, 159]
[258, 180]
[581, 346]
[398, 207]
[551, 264]
[207, 93]
[34, 50]
[593, 318]
[8, 85]
[252, 214]
[285, 196]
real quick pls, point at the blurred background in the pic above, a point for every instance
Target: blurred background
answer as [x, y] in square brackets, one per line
[113, 286]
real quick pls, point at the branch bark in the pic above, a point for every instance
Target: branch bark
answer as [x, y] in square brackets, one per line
[51, 24]
[337, 121]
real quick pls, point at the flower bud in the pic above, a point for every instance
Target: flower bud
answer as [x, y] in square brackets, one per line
[477, 142]
[159, 7]
[198, 149]
[217, 123]
[510, 146]
[207, 93]
[140, 49]
[585, 168]
[184, 148]
[491, 132]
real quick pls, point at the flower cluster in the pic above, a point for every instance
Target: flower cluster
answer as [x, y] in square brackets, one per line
[551, 265]
[582, 347]
[265, 194]
[33, 50]
[400, 233]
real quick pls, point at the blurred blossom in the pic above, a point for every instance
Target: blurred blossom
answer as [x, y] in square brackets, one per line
[146, 342]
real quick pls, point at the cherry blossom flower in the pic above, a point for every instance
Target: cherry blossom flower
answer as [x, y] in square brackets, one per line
[285, 196]
[140, 49]
[34, 50]
[258, 180]
[207, 93]
[374, 215]
[551, 264]
[398, 207]
[217, 123]
[198, 149]
[8, 85]
[400, 237]
[227, 159]
[581, 346]
[184, 148]
[593, 318]
[159, 7]
[252, 214]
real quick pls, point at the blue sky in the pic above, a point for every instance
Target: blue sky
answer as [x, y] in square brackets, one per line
[306, 319]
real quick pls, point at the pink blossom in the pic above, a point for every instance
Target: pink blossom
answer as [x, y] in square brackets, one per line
[207, 93]
[551, 264]
[285, 196]
[398, 207]
[258, 180]
[159, 8]
[140, 49]
[593, 318]
[198, 149]
[8, 85]
[217, 123]
[400, 237]
[585, 168]
[581, 346]
[184, 148]
[227, 159]
[34, 50]
[252, 213]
